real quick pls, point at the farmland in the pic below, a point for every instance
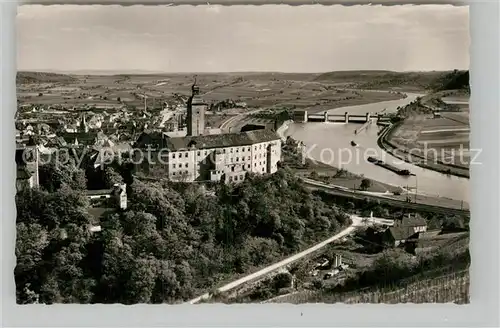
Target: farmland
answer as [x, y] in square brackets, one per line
[439, 141]
[445, 138]
[451, 287]
[256, 90]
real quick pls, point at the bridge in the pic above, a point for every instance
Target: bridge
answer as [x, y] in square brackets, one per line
[304, 117]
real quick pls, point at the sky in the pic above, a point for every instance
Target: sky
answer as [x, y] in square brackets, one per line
[242, 38]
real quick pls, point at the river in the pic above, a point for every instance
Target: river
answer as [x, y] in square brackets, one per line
[330, 143]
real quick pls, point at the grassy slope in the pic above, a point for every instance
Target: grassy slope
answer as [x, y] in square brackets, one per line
[451, 287]
[42, 77]
[441, 284]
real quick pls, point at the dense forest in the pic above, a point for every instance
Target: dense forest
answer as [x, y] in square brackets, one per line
[172, 243]
[456, 80]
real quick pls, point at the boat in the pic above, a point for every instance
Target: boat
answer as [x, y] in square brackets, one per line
[389, 166]
[353, 144]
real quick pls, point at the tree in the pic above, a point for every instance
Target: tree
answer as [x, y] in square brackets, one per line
[365, 184]
[31, 241]
[112, 177]
[140, 285]
[172, 242]
[53, 176]
[282, 280]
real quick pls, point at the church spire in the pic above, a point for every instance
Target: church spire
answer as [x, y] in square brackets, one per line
[194, 88]
[83, 125]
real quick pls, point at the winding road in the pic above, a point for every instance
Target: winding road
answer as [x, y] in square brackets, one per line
[357, 221]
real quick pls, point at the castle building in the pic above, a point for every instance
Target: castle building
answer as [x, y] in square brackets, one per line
[226, 157]
[115, 197]
[196, 108]
[207, 157]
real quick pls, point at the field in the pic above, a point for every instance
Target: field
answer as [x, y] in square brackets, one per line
[256, 90]
[452, 287]
[446, 282]
[444, 138]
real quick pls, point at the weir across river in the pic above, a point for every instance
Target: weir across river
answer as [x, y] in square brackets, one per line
[332, 144]
[304, 117]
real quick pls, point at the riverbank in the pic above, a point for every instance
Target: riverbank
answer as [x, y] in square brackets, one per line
[332, 175]
[318, 136]
[365, 97]
[416, 159]
[329, 174]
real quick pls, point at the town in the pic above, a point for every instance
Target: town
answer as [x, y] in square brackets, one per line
[107, 151]
[238, 183]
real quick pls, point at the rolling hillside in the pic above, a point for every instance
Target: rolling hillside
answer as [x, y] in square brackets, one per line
[42, 77]
[389, 79]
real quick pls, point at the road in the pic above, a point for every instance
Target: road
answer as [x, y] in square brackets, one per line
[356, 222]
[339, 191]
[229, 122]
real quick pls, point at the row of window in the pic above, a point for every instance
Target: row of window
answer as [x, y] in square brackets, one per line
[237, 149]
[237, 160]
[248, 158]
[180, 173]
[248, 166]
[180, 155]
[235, 178]
[180, 165]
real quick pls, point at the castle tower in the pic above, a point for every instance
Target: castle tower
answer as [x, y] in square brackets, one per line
[31, 159]
[196, 108]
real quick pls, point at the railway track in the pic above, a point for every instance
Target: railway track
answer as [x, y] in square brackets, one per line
[385, 199]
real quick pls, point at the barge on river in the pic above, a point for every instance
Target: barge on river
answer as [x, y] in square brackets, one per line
[389, 167]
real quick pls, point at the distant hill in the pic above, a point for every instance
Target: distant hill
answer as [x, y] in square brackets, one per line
[382, 79]
[42, 77]
[456, 80]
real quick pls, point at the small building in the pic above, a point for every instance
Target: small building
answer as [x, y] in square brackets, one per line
[24, 179]
[106, 201]
[405, 228]
[115, 197]
[80, 138]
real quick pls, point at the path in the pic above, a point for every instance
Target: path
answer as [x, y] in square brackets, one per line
[356, 222]
[229, 122]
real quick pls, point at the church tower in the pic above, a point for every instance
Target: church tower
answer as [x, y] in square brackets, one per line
[195, 112]
[83, 124]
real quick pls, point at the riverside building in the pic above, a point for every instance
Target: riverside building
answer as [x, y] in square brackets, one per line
[217, 157]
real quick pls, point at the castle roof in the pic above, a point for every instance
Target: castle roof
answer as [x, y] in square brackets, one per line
[206, 141]
[220, 140]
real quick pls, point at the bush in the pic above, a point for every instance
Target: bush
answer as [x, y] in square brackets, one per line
[282, 280]
[365, 184]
